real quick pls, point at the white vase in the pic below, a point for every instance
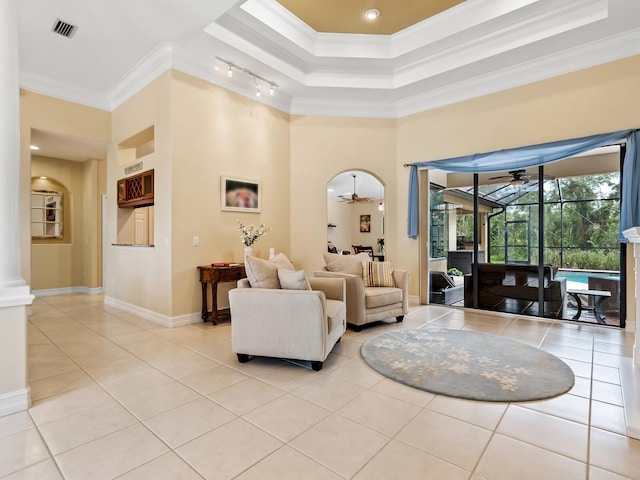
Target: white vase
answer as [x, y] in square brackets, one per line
[247, 251]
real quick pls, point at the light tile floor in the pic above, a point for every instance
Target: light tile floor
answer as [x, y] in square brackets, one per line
[115, 396]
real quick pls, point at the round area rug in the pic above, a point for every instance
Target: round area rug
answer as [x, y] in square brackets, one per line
[466, 364]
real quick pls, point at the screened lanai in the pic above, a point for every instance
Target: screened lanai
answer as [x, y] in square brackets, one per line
[581, 253]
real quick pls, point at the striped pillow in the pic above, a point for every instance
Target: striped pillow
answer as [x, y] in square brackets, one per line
[377, 274]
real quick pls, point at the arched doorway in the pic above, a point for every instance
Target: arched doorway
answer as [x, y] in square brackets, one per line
[355, 212]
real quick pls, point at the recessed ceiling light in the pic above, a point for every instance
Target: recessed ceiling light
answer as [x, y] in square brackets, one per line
[372, 13]
[34, 147]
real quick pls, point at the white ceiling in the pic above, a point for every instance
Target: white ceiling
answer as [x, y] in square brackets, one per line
[366, 185]
[475, 48]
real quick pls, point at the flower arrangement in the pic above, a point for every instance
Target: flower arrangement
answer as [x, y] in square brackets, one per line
[251, 234]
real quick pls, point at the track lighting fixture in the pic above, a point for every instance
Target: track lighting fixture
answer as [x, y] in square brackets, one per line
[257, 79]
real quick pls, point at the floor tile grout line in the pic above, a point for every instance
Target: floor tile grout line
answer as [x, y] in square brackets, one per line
[256, 376]
[593, 342]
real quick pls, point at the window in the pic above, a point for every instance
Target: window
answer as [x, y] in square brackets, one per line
[46, 214]
[439, 225]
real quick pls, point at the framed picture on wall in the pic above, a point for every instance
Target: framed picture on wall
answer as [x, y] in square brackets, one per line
[238, 195]
[365, 223]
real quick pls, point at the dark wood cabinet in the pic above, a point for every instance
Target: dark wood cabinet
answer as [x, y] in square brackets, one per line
[462, 260]
[136, 190]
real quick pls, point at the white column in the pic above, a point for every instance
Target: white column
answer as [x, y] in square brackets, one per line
[14, 293]
[630, 369]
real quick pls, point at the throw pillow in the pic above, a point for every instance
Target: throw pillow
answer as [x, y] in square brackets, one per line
[345, 263]
[264, 273]
[282, 261]
[377, 274]
[261, 273]
[293, 280]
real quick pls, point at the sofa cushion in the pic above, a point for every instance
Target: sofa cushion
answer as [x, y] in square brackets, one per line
[345, 263]
[381, 296]
[264, 273]
[293, 280]
[377, 274]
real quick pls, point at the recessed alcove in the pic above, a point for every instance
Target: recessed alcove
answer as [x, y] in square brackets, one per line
[137, 146]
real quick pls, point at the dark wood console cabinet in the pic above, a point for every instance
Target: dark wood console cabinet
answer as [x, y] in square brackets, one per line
[136, 190]
[462, 260]
[213, 274]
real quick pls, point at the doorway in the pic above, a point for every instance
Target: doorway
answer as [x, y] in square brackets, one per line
[355, 213]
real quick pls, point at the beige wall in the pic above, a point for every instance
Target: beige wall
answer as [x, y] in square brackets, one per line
[78, 263]
[203, 131]
[321, 148]
[216, 132]
[142, 276]
[597, 100]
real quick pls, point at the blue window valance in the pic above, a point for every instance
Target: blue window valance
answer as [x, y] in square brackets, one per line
[534, 155]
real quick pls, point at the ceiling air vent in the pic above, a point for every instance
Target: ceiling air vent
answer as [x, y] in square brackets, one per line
[63, 28]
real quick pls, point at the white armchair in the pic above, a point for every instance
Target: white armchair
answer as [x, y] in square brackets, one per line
[295, 324]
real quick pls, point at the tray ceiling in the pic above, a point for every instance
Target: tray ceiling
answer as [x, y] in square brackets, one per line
[472, 48]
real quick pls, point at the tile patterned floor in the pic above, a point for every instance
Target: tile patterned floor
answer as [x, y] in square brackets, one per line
[115, 396]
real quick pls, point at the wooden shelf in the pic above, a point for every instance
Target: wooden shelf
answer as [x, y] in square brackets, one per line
[136, 190]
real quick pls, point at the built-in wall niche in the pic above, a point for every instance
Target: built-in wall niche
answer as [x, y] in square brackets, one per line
[137, 146]
[135, 227]
[135, 193]
[46, 214]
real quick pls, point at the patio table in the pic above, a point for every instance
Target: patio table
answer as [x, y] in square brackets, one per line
[598, 298]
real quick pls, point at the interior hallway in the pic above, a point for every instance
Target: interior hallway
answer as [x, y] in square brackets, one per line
[116, 396]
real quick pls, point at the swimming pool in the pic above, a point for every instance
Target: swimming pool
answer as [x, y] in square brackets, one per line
[581, 276]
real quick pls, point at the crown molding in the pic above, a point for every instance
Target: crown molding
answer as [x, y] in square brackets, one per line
[165, 57]
[365, 61]
[158, 61]
[623, 45]
[63, 91]
[344, 108]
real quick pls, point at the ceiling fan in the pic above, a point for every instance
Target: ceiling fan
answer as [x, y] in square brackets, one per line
[518, 178]
[354, 198]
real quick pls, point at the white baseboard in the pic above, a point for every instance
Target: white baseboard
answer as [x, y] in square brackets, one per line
[67, 291]
[152, 316]
[630, 380]
[15, 402]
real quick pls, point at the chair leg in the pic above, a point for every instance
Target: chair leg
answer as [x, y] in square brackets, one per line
[243, 357]
[317, 366]
[399, 318]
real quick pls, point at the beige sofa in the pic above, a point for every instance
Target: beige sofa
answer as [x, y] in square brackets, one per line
[294, 324]
[367, 304]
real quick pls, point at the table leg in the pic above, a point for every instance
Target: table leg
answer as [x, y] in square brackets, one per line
[597, 302]
[205, 309]
[214, 303]
[579, 302]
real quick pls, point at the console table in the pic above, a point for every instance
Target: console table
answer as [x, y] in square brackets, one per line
[213, 274]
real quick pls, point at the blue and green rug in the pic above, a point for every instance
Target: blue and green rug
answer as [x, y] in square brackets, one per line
[467, 364]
